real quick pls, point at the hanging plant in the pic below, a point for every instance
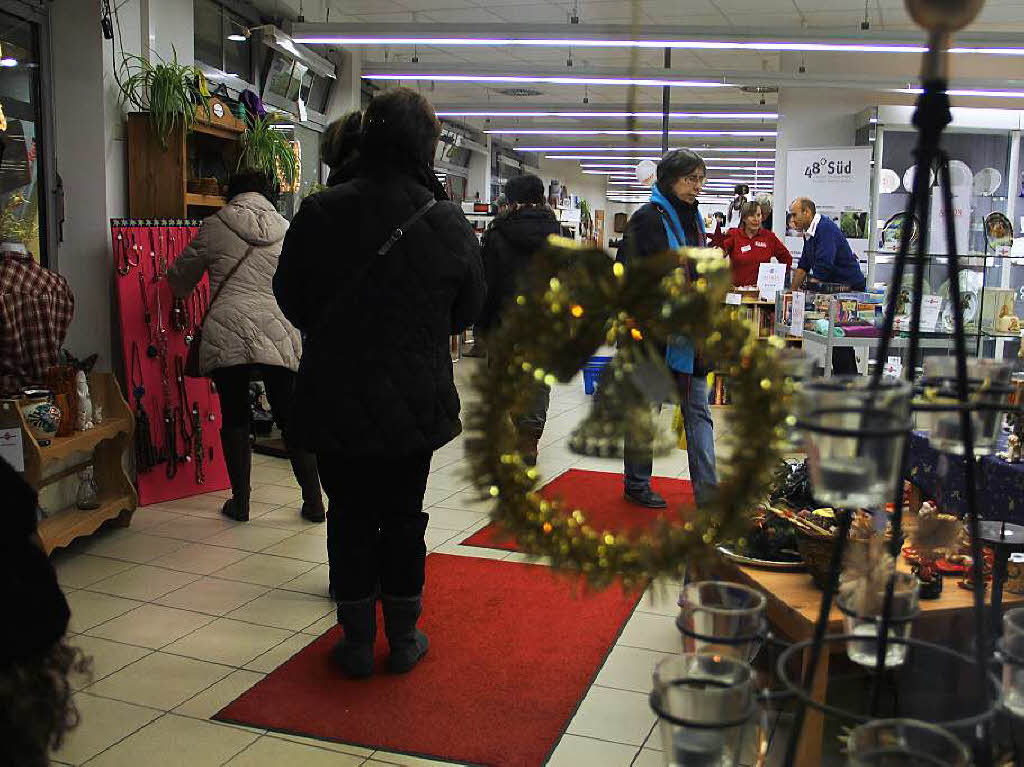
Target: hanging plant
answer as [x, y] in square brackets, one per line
[171, 92]
[263, 147]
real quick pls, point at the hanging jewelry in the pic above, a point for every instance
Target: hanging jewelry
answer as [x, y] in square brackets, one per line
[145, 451]
[197, 439]
[147, 316]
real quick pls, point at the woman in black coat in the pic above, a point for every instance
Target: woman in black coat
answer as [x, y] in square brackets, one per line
[378, 272]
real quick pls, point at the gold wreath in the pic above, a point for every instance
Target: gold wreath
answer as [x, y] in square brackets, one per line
[576, 299]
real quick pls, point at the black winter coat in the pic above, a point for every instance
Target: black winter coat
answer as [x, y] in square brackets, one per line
[376, 373]
[509, 246]
[645, 236]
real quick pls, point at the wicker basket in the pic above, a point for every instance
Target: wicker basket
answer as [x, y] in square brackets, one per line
[816, 551]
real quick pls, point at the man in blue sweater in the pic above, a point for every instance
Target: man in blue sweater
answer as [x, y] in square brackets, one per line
[827, 256]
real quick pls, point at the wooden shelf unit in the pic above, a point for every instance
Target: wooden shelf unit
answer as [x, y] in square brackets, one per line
[103, 448]
[158, 178]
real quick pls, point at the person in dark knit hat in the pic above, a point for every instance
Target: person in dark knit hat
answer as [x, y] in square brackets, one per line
[36, 709]
[508, 248]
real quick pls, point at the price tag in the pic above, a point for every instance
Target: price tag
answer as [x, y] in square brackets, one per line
[733, 299]
[11, 448]
[770, 280]
[799, 301]
[931, 307]
[303, 114]
[893, 367]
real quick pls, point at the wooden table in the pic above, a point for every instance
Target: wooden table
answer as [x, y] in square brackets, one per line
[793, 604]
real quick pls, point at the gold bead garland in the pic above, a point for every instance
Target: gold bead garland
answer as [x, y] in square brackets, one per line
[574, 300]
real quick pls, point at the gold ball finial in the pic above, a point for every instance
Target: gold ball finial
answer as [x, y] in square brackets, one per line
[943, 15]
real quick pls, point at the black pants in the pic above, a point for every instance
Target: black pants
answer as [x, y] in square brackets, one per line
[844, 361]
[375, 523]
[233, 388]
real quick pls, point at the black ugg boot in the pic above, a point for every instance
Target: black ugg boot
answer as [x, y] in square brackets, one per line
[408, 643]
[528, 437]
[354, 653]
[306, 474]
[238, 460]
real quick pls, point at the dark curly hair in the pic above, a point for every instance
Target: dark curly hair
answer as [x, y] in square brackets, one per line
[400, 127]
[36, 707]
[252, 180]
[340, 141]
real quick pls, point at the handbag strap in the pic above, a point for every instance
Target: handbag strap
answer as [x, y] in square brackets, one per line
[405, 226]
[228, 276]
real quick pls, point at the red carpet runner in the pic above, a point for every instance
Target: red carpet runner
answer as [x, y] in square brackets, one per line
[513, 650]
[599, 493]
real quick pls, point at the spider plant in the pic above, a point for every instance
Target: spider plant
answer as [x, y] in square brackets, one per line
[264, 147]
[169, 91]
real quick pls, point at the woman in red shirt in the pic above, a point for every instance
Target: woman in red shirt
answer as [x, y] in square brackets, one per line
[750, 245]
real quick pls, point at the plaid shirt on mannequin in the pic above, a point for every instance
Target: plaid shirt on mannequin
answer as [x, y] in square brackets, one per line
[36, 306]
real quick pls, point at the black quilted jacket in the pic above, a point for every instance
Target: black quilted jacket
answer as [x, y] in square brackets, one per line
[376, 373]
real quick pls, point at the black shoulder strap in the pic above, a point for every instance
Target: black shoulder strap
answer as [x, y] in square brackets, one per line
[406, 226]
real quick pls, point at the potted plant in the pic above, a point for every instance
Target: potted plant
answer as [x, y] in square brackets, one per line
[171, 92]
[263, 147]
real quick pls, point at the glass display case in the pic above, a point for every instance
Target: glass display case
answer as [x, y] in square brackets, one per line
[984, 147]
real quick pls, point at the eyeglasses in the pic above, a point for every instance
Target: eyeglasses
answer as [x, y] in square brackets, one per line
[695, 178]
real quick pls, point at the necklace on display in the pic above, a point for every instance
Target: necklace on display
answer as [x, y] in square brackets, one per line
[145, 453]
[147, 316]
[197, 437]
[185, 424]
[170, 443]
[127, 248]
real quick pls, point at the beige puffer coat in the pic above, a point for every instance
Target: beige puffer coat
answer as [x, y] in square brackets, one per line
[245, 325]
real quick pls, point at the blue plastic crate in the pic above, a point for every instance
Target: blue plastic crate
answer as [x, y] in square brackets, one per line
[592, 372]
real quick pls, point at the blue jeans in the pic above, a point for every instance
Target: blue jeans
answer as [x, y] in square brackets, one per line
[638, 460]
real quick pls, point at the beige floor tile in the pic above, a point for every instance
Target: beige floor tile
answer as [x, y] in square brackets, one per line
[276, 494]
[284, 518]
[151, 626]
[284, 609]
[227, 641]
[468, 500]
[526, 559]
[273, 751]
[103, 723]
[615, 715]
[649, 758]
[177, 741]
[250, 537]
[218, 695]
[315, 582]
[270, 660]
[573, 751]
[387, 757]
[651, 632]
[193, 529]
[89, 609]
[629, 668]
[148, 517]
[160, 681]
[78, 571]
[130, 546]
[200, 558]
[469, 551]
[192, 503]
[343, 748]
[106, 657]
[309, 548]
[265, 570]
[660, 599]
[322, 626]
[454, 519]
[213, 596]
[434, 537]
[143, 582]
[210, 511]
[435, 495]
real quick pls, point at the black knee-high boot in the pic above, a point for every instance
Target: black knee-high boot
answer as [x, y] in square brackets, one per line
[238, 459]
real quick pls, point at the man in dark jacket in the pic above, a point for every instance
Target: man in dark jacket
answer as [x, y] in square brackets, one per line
[508, 248]
[673, 208]
[378, 273]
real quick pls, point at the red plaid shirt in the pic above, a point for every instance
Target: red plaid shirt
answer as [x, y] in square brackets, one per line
[36, 306]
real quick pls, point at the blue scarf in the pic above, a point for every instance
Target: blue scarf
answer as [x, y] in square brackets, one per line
[679, 354]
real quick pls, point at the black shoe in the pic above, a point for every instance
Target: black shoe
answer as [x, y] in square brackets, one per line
[237, 453]
[354, 653]
[408, 643]
[313, 512]
[232, 509]
[306, 474]
[646, 497]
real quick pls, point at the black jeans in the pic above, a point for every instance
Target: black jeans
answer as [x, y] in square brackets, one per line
[844, 361]
[375, 523]
[233, 388]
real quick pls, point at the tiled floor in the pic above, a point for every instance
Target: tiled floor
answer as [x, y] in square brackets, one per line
[186, 610]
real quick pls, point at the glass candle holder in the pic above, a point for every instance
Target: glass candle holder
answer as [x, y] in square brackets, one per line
[703, 702]
[988, 385]
[868, 623]
[714, 610]
[894, 742]
[854, 436]
[1012, 647]
[797, 367]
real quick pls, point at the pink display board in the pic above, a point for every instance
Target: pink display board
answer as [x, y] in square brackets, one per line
[155, 333]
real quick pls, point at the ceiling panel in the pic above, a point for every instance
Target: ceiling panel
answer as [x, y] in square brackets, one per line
[462, 16]
[433, 5]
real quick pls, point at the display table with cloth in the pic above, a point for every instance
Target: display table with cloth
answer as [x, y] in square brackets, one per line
[941, 476]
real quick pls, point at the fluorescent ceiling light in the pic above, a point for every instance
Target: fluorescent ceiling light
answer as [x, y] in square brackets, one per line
[549, 80]
[237, 38]
[582, 157]
[725, 116]
[700, 150]
[980, 94]
[7, 61]
[606, 132]
[764, 170]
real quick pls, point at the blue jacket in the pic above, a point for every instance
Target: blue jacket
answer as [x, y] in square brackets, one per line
[827, 256]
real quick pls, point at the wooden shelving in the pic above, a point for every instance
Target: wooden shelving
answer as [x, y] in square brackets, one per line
[103, 447]
[205, 200]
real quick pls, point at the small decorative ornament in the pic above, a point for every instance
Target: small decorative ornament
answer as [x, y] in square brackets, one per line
[85, 409]
[87, 497]
[574, 300]
[41, 415]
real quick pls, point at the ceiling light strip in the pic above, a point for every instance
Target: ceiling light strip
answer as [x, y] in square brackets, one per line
[770, 150]
[548, 79]
[724, 116]
[615, 132]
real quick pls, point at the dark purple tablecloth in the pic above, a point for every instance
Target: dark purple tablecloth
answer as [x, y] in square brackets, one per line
[940, 476]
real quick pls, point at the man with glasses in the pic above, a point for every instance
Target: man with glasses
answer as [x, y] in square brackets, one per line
[672, 220]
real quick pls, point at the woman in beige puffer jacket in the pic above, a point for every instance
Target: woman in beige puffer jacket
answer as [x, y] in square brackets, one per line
[246, 335]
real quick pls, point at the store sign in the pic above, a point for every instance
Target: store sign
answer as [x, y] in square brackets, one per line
[837, 178]
[961, 221]
[771, 278]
